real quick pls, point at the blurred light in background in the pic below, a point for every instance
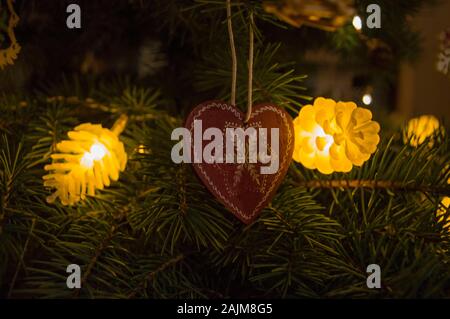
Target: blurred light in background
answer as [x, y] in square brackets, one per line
[357, 23]
[367, 99]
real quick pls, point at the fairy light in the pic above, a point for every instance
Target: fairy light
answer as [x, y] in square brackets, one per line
[96, 153]
[367, 99]
[323, 141]
[357, 23]
[334, 136]
[141, 149]
[90, 159]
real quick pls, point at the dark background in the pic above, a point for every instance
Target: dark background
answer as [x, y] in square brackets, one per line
[164, 43]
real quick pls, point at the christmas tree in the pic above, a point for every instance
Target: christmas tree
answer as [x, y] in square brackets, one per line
[90, 97]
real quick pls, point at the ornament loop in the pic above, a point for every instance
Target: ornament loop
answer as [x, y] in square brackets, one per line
[250, 70]
[233, 55]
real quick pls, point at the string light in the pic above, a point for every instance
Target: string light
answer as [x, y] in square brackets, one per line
[333, 136]
[89, 160]
[141, 149]
[367, 99]
[357, 23]
[421, 128]
[96, 153]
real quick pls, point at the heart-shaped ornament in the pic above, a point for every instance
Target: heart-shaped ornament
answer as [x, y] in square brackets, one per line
[242, 164]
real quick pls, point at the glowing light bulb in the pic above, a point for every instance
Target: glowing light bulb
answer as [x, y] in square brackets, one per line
[323, 141]
[141, 149]
[90, 159]
[357, 23]
[98, 151]
[87, 161]
[367, 99]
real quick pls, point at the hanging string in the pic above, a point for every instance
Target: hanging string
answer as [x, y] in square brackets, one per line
[234, 62]
[250, 70]
[233, 55]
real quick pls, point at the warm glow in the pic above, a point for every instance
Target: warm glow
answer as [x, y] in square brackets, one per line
[367, 99]
[141, 149]
[90, 159]
[87, 160]
[98, 151]
[323, 140]
[421, 128]
[334, 136]
[357, 23]
[445, 205]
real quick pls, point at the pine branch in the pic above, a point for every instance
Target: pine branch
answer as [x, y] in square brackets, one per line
[274, 82]
[151, 275]
[21, 262]
[375, 184]
[87, 272]
[12, 166]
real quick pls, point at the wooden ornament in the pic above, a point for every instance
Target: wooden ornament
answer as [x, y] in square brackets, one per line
[9, 55]
[327, 15]
[241, 187]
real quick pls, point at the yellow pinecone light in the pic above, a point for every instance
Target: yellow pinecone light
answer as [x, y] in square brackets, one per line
[420, 128]
[444, 206]
[333, 136]
[89, 160]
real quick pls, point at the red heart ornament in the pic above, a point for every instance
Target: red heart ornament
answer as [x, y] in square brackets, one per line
[241, 187]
